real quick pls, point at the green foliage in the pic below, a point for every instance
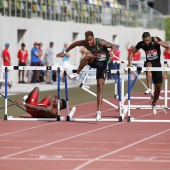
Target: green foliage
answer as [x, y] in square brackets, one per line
[167, 29]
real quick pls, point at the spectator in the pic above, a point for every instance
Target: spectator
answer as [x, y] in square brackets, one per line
[6, 55]
[42, 72]
[112, 65]
[40, 61]
[48, 57]
[35, 55]
[167, 53]
[23, 59]
[7, 59]
[135, 57]
[65, 59]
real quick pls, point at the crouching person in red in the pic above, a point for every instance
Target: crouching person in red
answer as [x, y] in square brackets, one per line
[46, 108]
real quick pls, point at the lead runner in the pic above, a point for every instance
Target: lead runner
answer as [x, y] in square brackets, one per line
[98, 57]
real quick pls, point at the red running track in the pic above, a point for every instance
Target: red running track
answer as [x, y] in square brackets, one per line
[87, 145]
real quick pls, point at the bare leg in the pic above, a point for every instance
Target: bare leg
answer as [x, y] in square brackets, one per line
[47, 76]
[23, 75]
[149, 75]
[87, 59]
[100, 84]
[156, 93]
[19, 73]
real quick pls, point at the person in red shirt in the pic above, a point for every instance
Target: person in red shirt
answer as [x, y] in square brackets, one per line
[136, 56]
[23, 58]
[167, 53]
[112, 65]
[6, 56]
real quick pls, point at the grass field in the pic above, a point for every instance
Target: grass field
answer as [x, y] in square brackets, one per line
[76, 96]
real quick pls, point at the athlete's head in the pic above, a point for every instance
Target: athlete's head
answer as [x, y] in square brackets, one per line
[90, 38]
[146, 38]
[63, 104]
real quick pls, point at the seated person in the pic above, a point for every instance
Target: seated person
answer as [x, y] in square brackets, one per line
[47, 108]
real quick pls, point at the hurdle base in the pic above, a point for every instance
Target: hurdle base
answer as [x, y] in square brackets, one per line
[128, 119]
[120, 119]
[5, 117]
[58, 117]
[34, 119]
[68, 118]
[94, 120]
[149, 121]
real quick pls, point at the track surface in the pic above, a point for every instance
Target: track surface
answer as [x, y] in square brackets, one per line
[123, 145]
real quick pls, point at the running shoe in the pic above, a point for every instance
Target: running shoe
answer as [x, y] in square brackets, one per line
[24, 98]
[153, 108]
[148, 91]
[98, 115]
[73, 76]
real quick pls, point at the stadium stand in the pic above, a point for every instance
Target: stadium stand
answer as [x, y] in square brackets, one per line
[106, 12]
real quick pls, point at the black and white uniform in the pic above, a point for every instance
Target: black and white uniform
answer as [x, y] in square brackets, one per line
[153, 53]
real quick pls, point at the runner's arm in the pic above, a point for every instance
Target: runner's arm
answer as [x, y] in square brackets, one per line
[134, 50]
[106, 44]
[162, 43]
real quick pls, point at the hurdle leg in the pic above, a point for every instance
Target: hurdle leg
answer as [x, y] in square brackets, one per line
[129, 76]
[66, 95]
[166, 94]
[6, 93]
[58, 94]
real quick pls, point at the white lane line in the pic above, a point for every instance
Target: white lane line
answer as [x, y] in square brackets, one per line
[97, 142]
[118, 150]
[59, 158]
[5, 134]
[79, 148]
[10, 147]
[61, 140]
[28, 141]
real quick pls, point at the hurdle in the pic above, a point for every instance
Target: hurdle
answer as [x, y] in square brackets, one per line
[86, 88]
[6, 116]
[132, 119]
[69, 113]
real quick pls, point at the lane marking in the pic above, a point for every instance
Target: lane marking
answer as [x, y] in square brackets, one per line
[61, 140]
[118, 150]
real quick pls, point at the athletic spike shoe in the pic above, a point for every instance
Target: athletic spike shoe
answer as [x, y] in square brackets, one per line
[148, 91]
[73, 76]
[153, 109]
[24, 98]
[98, 115]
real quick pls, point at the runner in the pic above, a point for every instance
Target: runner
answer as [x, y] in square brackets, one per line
[97, 57]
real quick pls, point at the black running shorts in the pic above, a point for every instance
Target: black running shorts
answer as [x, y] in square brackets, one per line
[101, 67]
[156, 75]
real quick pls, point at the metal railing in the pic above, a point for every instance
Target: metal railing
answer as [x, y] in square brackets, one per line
[63, 10]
